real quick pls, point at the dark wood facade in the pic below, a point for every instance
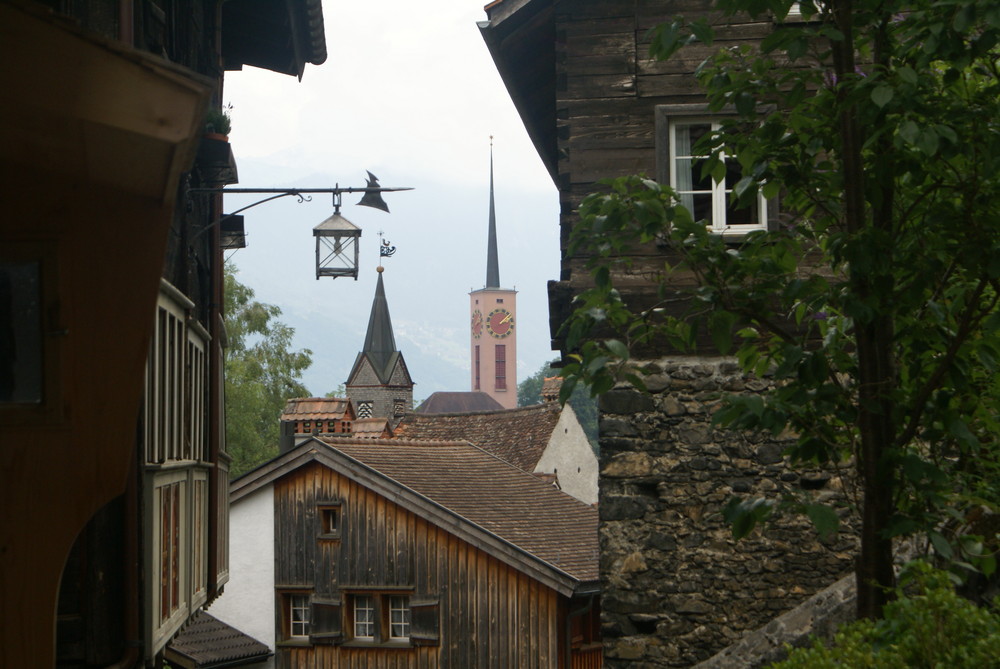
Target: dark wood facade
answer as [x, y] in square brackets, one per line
[594, 104]
[471, 603]
[498, 615]
[113, 466]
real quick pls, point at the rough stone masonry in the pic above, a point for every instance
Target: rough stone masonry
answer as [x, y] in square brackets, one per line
[677, 588]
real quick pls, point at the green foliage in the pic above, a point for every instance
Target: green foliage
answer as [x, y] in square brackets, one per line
[872, 304]
[262, 372]
[529, 392]
[219, 120]
[927, 626]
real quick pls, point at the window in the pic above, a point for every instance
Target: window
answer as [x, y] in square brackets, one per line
[298, 615]
[398, 407]
[170, 549]
[476, 387]
[365, 409]
[376, 618]
[329, 520]
[399, 618]
[501, 367]
[295, 609]
[679, 128]
[364, 617]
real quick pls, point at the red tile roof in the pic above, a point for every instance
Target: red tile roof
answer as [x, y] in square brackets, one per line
[459, 402]
[371, 427]
[518, 436]
[315, 408]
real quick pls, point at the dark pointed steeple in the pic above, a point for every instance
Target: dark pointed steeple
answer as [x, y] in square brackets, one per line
[380, 344]
[492, 261]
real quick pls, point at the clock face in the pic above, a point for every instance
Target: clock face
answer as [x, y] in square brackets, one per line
[477, 323]
[500, 323]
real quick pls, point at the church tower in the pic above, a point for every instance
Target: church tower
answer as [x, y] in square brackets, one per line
[493, 335]
[379, 384]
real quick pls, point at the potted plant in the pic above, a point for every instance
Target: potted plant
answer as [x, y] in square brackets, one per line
[218, 123]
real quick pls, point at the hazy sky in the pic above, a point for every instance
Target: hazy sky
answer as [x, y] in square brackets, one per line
[411, 94]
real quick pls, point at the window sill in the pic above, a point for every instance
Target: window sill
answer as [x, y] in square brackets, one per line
[377, 644]
[294, 643]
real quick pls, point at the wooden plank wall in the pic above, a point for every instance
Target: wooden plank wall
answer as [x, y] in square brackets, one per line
[491, 614]
[607, 89]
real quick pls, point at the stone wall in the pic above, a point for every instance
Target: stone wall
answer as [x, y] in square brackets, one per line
[676, 587]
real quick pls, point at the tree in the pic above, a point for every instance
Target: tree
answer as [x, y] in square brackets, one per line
[874, 302]
[262, 372]
[529, 392]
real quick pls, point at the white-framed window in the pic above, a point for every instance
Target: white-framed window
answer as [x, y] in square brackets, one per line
[364, 617]
[399, 618]
[679, 165]
[379, 618]
[298, 616]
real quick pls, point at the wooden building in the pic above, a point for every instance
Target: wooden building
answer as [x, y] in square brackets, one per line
[596, 106]
[398, 553]
[113, 469]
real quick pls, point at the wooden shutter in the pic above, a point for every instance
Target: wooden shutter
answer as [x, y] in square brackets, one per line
[425, 617]
[325, 624]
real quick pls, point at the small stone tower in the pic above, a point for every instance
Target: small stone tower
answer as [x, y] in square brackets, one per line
[379, 383]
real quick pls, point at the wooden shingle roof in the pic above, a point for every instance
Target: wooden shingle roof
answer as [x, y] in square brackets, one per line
[518, 436]
[493, 505]
[208, 642]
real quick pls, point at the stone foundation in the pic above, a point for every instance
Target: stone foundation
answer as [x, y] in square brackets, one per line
[676, 587]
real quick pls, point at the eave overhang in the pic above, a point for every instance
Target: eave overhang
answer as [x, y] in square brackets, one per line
[277, 35]
[78, 105]
[521, 38]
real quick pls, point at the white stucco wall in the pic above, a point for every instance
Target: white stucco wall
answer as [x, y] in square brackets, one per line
[247, 603]
[570, 456]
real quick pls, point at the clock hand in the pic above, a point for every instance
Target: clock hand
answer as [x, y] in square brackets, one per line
[506, 318]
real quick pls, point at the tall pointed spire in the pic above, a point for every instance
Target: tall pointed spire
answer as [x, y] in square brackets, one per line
[380, 343]
[492, 261]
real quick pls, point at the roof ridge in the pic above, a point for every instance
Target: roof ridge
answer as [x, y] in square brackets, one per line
[530, 407]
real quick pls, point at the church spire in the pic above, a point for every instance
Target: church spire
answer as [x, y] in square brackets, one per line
[380, 343]
[492, 262]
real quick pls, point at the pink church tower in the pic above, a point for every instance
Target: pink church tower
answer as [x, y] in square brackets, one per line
[493, 334]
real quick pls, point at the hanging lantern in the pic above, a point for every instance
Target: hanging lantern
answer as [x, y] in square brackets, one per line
[337, 247]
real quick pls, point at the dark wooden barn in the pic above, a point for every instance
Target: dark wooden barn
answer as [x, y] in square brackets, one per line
[397, 553]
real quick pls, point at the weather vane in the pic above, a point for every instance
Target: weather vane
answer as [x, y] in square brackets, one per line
[385, 250]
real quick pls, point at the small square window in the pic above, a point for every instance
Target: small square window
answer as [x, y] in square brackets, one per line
[329, 520]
